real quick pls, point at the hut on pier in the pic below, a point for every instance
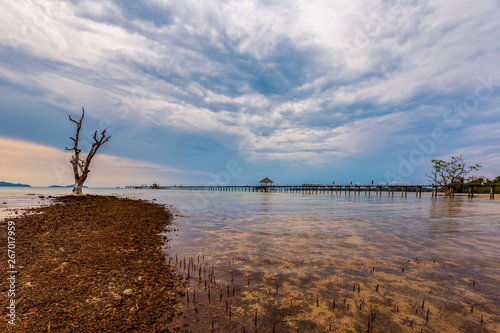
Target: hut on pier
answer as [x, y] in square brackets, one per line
[264, 182]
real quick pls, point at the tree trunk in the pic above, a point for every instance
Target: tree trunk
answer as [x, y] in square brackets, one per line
[448, 191]
[77, 189]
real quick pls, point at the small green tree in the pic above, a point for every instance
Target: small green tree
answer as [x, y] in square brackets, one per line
[449, 173]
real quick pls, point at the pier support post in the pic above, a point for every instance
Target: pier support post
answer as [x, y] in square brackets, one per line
[492, 192]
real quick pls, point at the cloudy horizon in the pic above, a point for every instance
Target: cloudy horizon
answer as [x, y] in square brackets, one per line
[235, 91]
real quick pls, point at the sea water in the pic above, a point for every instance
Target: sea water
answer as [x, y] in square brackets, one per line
[319, 246]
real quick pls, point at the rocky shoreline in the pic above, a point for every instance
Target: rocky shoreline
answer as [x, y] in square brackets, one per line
[91, 264]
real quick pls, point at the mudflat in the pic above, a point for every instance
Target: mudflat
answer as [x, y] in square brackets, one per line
[91, 264]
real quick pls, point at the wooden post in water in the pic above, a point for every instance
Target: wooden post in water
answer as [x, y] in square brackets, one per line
[492, 192]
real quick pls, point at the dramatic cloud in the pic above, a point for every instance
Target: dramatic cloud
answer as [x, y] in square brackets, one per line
[25, 162]
[289, 83]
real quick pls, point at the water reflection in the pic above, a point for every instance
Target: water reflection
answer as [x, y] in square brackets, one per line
[315, 247]
[264, 202]
[291, 256]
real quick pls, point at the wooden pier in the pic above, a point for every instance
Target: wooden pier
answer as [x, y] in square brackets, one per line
[337, 189]
[354, 189]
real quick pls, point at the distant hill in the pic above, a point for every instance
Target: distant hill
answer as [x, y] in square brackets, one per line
[13, 185]
[60, 186]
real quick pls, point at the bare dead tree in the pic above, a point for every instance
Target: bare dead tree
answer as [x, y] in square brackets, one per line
[81, 166]
[447, 174]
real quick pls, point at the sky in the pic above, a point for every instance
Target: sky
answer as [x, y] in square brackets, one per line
[230, 92]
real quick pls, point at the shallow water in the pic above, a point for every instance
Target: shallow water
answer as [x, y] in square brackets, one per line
[283, 259]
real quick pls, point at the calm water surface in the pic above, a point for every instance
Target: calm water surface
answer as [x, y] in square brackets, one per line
[304, 239]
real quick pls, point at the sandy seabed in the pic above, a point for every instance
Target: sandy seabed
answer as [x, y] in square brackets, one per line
[407, 295]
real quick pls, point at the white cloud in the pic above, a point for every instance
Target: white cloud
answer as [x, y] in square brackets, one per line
[196, 72]
[41, 165]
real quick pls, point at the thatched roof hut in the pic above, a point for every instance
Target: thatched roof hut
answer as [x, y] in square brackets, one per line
[266, 181]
